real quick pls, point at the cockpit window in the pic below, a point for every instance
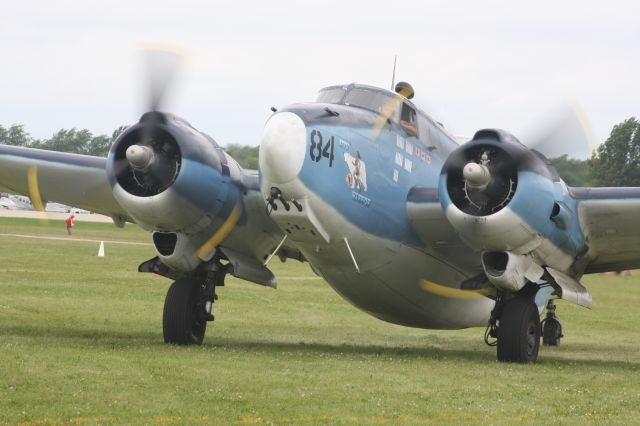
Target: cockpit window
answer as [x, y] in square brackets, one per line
[369, 99]
[423, 126]
[408, 120]
[331, 96]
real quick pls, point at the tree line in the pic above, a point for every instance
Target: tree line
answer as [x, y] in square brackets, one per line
[83, 141]
[77, 141]
[616, 162]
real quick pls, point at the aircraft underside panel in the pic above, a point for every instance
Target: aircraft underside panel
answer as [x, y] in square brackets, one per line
[380, 276]
[394, 291]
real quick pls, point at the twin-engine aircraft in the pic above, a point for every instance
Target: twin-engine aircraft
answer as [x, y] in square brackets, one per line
[375, 195]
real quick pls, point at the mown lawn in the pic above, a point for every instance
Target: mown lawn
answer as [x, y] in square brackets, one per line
[81, 343]
[82, 230]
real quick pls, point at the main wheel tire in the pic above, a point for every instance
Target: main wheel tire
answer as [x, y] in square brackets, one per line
[551, 332]
[519, 331]
[182, 324]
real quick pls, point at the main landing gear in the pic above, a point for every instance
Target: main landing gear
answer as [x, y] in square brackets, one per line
[551, 326]
[189, 301]
[187, 309]
[188, 306]
[515, 323]
[519, 331]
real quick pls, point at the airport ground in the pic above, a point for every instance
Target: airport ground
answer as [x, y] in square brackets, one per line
[81, 343]
[31, 214]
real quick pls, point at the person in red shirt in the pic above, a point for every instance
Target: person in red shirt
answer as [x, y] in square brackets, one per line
[70, 223]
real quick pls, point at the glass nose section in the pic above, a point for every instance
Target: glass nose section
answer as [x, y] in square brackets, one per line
[283, 147]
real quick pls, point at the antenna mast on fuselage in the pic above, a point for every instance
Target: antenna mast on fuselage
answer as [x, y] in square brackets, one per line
[393, 78]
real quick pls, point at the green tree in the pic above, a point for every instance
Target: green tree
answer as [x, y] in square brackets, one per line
[574, 172]
[99, 146]
[15, 135]
[68, 140]
[246, 156]
[80, 142]
[617, 162]
[117, 132]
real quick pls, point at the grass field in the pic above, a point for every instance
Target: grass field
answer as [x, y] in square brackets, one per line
[81, 343]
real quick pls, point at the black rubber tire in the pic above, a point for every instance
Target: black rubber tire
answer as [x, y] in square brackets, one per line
[519, 331]
[551, 332]
[181, 323]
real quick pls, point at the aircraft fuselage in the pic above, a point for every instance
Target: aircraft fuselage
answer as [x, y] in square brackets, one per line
[351, 175]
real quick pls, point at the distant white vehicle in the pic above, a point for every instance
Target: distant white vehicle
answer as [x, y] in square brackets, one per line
[20, 202]
[76, 210]
[6, 203]
[57, 208]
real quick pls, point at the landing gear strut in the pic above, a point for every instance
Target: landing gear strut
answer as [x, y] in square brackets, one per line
[551, 326]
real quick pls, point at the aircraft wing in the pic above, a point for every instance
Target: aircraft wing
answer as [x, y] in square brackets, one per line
[610, 220]
[71, 179]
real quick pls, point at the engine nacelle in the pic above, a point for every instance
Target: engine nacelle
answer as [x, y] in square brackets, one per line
[511, 207]
[175, 181]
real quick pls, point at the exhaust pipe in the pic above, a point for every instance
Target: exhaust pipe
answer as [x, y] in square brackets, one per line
[509, 271]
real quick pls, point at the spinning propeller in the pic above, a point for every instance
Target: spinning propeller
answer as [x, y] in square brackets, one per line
[149, 159]
[161, 64]
[154, 159]
[403, 90]
[482, 176]
[34, 192]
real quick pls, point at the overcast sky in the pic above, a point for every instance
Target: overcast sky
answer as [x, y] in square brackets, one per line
[473, 64]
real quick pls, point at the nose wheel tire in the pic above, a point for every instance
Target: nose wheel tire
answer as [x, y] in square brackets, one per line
[182, 320]
[519, 331]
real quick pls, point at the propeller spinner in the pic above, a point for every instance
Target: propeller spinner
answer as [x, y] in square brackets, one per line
[140, 157]
[477, 175]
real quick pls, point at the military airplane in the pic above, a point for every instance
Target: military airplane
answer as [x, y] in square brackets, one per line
[379, 199]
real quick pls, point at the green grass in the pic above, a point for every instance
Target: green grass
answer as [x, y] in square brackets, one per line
[86, 230]
[81, 343]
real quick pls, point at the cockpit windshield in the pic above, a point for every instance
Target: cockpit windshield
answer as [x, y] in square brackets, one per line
[369, 99]
[398, 111]
[331, 95]
[362, 97]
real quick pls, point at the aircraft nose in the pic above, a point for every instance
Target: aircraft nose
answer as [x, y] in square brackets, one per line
[283, 147]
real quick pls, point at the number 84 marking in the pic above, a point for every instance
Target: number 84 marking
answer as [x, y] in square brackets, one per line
[318, 151]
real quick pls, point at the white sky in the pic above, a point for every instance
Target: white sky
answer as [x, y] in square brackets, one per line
[474, 64]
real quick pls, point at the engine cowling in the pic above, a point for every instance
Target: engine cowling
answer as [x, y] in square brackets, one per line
[175, 181]
[498, 194]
